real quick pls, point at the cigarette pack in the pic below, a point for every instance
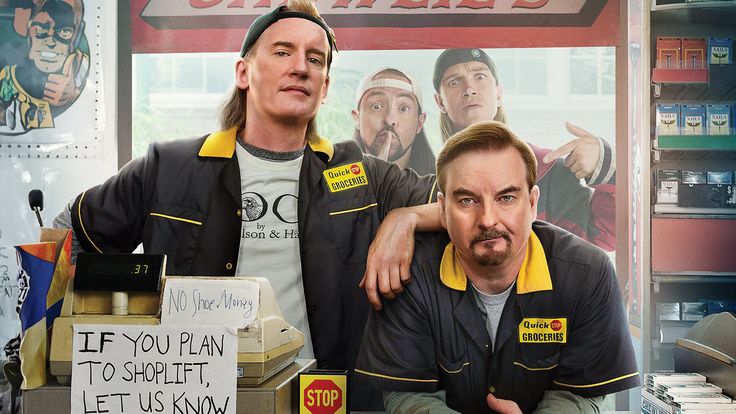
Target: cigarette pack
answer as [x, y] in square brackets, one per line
[667, 183]
[669, 377]
[693, 311]
[668, 52]
[720, 51]
[650, 404]
[693, 53]
[693, 119]
[687, 387]
[719, 177]
[693, 177]
[719, 119]
[718, 306]
[668, 311]
[668, 119]
[704, 397]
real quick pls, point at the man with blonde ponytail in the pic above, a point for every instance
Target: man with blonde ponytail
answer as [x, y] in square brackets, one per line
[265, 196]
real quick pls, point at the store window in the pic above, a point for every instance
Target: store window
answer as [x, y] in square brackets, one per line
[178, 95]
[593, 70]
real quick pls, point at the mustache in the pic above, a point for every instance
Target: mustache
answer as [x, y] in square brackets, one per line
[387, 128]
[377, 145]
[490, 234]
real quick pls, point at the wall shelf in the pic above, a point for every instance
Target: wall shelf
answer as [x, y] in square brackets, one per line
[717, 12]
[664, 75]
[673, 211]
[696, 142]
[659, 279]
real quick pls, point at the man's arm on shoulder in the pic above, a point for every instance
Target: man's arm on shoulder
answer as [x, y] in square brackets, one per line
[565, 402]
[390, 253]
[416, 402]
[408, 204]
[395, 187]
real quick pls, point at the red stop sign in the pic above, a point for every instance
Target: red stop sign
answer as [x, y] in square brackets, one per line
[322, 396]
[556, 325]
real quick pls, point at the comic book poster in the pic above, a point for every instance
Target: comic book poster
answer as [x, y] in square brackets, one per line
[49, 86]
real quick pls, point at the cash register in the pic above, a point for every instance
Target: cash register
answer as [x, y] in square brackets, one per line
[124, 289]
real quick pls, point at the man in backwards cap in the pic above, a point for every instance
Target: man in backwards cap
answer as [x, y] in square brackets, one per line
[266, 196]
[468, 90]
[389, 120]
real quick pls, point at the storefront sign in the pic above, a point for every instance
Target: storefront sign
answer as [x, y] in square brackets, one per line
[219, 25]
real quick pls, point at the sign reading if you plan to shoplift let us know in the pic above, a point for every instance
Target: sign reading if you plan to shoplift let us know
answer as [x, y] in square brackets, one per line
[230, 302]
[136, 369]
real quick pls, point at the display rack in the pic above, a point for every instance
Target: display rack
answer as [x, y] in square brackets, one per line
[691, 247]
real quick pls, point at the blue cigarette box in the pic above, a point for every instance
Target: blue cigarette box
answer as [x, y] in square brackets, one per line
[693, 119]
[668, 119]
[719, 119]
[720, 51]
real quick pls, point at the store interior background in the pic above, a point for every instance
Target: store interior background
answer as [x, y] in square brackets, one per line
[144, 97]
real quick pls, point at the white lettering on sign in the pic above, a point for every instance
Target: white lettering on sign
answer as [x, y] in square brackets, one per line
[231, 302]
[135, 369]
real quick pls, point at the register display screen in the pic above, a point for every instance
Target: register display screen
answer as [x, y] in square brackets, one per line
[119, 272]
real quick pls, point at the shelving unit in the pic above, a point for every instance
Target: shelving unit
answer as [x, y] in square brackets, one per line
[691, 248]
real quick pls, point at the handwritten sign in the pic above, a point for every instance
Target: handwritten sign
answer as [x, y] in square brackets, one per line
[141, 369]
[228, 302]
[9, 321]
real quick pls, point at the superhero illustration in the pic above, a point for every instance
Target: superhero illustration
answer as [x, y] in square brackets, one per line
[44, 62]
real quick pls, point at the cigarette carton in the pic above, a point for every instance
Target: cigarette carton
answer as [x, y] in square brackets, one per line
[668, 52]
[718, 306]
[720, 51]
[693, 53]
[693, 177]
[693, 119]
[693, 311]
[667, 183]
[719, 119]
[668, 119]
[719, 177]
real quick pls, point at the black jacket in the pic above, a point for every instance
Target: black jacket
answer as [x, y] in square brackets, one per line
[563, 328]
[183, 199]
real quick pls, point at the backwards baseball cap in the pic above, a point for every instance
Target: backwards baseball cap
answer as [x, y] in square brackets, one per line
[263, 22]
[451, 57]
[368, 83]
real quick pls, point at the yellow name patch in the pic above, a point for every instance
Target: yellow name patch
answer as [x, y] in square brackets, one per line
[543, 330]
[345, 177]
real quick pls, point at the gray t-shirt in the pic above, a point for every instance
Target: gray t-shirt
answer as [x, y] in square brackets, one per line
[491, 306]
[269, 236]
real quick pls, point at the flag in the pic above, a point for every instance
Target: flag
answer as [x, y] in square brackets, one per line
[62, 274]
[36, 263]
[42, 280]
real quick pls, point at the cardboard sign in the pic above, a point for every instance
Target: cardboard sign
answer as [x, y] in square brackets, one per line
[135, 369]
[230, 302]
[323, 392]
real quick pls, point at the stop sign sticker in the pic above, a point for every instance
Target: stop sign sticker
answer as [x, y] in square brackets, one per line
[323, 393]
